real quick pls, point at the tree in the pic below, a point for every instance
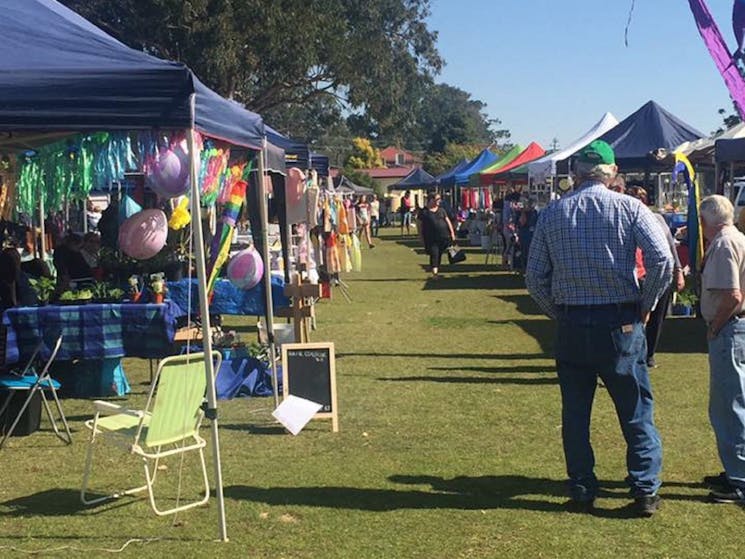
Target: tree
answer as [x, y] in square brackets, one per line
[437, 163]
[364, 155]
[277, 57]
[729, 120]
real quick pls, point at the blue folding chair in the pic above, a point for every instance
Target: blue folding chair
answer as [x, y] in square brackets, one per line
[31, 382]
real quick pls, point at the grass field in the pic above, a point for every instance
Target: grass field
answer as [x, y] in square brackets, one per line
[449, 445]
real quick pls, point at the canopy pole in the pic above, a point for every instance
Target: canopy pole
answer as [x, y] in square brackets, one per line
[206, 329]
[42, 230]
[264, 213]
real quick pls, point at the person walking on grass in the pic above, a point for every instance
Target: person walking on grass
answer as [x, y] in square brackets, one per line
[581, 273]
[405, 211]
[435, 231]
[723, 309]
[363, 221]
[374, 215]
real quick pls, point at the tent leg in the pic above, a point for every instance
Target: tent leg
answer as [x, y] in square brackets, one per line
[263, 211]
[207, 338]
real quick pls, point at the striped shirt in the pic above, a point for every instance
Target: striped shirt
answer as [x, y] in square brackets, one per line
[583, 252]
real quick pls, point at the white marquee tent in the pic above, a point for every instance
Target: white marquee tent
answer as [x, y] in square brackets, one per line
[541, 170]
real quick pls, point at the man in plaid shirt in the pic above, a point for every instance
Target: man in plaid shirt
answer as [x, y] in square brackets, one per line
[581, 271]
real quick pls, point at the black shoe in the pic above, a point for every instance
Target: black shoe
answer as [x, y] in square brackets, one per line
[651, 364]
[728, 494]
[576, 506]
[717, 481]
[647, 505]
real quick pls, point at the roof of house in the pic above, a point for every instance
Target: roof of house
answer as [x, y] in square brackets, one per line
[389, 154]
[388, 173]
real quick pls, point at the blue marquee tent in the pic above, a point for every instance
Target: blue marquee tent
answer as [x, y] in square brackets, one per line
[451, 172]
[418, 178]
[298, 154]
[461, 176]
[59, 72]
[648, 129]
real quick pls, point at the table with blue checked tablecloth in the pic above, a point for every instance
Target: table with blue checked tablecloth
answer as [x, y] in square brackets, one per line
[93, 331]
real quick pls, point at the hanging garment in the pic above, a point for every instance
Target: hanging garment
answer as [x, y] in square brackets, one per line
[356, 254]
[297, 209]
[311, 203]
[464, 199]
[342, 225]
[352, 219]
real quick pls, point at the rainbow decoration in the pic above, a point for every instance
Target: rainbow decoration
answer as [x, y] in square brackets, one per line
[231, 211]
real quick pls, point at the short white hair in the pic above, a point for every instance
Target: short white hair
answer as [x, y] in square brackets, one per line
[595, 171]
[717, 210]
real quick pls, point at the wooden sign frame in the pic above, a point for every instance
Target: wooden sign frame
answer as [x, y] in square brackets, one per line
[334, 413]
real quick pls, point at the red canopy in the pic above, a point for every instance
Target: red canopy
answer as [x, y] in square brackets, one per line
[530, 153]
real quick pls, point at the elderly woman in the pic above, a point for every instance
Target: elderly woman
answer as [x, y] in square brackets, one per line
[435, 231]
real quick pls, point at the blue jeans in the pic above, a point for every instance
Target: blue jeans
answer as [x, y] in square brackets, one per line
[608, 341]
[727, 398]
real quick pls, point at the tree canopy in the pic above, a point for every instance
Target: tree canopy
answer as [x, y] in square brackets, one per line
[308, 66]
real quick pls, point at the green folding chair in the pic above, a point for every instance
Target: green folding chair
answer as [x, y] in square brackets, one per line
[168, 426]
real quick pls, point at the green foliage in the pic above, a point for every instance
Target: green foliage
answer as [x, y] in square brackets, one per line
[728, 120]
[44, 288]
[687, 298]
[285, 53]
[364, 155]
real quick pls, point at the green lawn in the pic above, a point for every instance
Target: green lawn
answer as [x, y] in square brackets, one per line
[449, 445]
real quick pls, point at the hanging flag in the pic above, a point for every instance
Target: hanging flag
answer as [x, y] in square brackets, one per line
[723, 59]
[695, 238]
[738, 26]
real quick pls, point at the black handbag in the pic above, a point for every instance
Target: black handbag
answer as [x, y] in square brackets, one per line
[456, 254]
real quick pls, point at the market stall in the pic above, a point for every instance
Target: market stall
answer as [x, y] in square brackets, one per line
[60, 75]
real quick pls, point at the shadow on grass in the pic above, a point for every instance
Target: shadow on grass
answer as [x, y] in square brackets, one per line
[474, 380]
[432, 355]
[523, 303]
[459, 493]
[518, 369]
[542, 331]
[473, 268]
[254, 429]
[52, 502]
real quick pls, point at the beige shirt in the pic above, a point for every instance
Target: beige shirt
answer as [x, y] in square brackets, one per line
[724, 269]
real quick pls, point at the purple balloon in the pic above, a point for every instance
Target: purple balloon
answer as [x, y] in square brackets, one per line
[169, 174]
[143, 235]
[246, 269]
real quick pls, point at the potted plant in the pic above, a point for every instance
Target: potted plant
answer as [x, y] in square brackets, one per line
[44, 288]
[158, 287]
[685, 302]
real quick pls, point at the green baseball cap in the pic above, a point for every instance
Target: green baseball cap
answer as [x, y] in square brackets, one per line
[597, 152]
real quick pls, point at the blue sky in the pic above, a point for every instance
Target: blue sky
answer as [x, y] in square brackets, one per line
[551, 68]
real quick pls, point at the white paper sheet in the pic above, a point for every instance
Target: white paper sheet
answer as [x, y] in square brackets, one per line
[295, 413]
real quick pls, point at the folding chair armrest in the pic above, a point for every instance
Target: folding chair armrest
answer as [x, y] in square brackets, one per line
[107, 408]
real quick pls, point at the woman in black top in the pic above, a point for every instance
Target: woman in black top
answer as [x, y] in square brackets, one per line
[15, 289]
[436, 231]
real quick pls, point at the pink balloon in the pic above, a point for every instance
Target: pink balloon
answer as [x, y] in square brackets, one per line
[246, 269]
[143, 235]
[169, 174]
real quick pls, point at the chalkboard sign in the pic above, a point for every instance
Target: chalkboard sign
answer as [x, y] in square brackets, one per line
[309, 371]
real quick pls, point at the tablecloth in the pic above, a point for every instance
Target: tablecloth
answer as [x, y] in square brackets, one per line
[228, 299]
[94, 331]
